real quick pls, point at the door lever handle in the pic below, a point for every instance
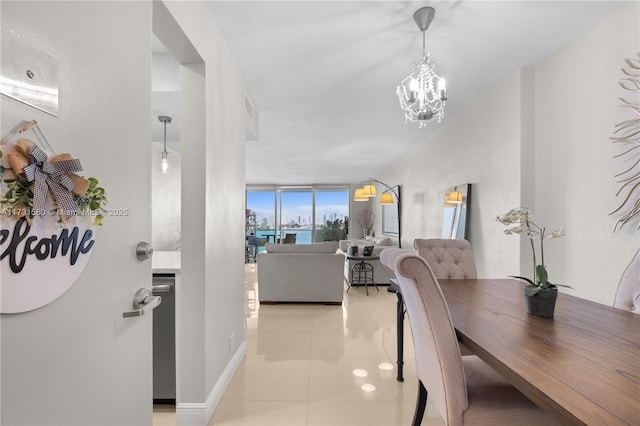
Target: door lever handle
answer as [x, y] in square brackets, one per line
[143, 300]
[161, 288]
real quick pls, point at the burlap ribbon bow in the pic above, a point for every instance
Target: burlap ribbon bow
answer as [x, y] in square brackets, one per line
[54, 173]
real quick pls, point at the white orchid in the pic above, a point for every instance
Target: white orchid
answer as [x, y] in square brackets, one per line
[515, 230]
[520, 221]
[556, 234]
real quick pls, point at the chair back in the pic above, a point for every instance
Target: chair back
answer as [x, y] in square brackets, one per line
[289, 239]
[447, 258]
[628, 293]
[437, 355]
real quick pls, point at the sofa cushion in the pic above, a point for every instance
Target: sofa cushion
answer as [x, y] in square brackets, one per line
[327, 247]
[382, 241]
[345, 244]
[361, 242]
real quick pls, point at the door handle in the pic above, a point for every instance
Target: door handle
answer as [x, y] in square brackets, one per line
[161, 288]
[143, 300]
[144, 250]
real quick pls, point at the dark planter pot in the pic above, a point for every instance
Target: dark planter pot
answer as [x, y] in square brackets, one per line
[543, 303]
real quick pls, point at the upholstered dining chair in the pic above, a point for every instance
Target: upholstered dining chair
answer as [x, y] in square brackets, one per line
[465, 390]
[447, 259]
[628, 293]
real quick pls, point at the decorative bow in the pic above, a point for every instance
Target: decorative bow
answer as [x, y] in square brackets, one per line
[55, 174]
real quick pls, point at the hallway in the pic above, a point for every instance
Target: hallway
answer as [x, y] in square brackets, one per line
[310, 364]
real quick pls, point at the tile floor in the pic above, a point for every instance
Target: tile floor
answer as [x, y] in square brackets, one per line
[311, 364]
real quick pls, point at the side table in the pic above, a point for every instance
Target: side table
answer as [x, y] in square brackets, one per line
[362, 272]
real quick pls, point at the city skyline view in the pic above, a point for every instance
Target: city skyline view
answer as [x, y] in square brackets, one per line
[297, 206]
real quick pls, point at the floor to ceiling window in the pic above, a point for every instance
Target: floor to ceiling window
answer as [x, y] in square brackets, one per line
[312, 213]
[331, 213]
[296, 211]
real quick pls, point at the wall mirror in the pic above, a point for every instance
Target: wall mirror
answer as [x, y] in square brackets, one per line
[391, 211]
[390, 219]
[455, 219]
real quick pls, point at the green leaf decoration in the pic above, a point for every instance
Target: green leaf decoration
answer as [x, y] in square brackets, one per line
[523, 278]
[19, 198]
[559, 285]
[531, 290]
[541, 275]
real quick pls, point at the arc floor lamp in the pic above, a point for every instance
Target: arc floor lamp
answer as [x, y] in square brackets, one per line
[369, 190]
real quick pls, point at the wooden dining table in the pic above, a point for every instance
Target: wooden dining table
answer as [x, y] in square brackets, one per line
[582, 366]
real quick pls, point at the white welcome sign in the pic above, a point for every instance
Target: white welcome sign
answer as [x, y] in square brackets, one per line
[46, 237]
[40, 261]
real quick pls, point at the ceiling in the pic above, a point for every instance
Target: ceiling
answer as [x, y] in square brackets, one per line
[323, 74]
[165, 95]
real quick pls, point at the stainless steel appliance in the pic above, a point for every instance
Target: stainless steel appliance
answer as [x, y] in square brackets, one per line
[164, 340]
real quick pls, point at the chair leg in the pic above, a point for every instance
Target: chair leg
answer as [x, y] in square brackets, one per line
[421, 404]
[400, 336]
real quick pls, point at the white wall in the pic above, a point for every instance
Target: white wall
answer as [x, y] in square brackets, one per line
[577, 107]
[539, 139]
[191, 324]
[212, 220]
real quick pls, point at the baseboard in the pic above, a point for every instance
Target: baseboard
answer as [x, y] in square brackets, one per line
[199, 414]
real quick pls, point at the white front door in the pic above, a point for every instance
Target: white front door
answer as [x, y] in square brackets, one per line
[76, 360]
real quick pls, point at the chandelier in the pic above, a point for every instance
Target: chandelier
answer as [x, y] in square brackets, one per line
[422, 94]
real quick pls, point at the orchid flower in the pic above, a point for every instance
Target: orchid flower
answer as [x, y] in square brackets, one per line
[520, 221]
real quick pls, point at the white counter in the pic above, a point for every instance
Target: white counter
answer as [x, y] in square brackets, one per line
[166, 262]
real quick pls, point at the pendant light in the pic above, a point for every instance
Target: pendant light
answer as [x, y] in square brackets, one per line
[164, 163]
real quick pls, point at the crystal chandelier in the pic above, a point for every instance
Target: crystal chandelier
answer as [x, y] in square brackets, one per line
[423, 94]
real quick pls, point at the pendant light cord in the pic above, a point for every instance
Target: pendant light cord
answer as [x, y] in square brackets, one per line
[165, 138]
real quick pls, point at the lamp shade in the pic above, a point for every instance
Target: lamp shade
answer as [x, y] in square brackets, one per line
[359, 196]
[369, 190]
[454, 197]
[386, 198]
